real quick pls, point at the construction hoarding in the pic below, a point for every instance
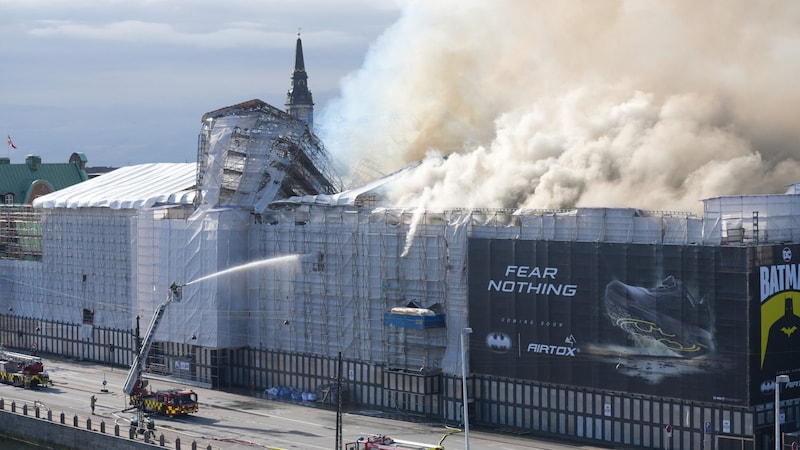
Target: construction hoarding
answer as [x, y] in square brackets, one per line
[665, 320]
[775, 290]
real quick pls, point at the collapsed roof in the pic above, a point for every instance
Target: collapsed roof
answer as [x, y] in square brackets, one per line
[251, 154]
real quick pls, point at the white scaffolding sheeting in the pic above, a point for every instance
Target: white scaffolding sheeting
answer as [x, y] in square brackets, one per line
[329, 270]
[87, 258]
[751, 218]
[22, 285]
[172, 248]
[336, 272]
[457, 233]
[618, 225]
[351, 272]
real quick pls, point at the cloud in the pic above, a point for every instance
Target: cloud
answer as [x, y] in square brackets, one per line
[126, 81]
[148, 33]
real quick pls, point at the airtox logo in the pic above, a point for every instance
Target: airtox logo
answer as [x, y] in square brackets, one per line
[768, 386]
[557, 350]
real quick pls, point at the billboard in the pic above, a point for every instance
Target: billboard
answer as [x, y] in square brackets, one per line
[665, 320]
[775, 282]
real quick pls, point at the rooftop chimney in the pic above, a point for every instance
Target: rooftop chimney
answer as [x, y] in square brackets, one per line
[33, 162]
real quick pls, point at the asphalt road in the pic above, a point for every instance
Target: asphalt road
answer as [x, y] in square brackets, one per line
[244, 420]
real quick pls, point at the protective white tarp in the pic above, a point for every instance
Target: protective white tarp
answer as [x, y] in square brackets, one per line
[86, 265]
[330, 274]
[131, 187]
[176, 250]
[738, 219]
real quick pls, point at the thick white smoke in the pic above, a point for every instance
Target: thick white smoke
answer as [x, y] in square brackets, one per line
[542, 104]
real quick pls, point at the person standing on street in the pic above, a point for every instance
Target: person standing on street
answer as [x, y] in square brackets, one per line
[93, 402]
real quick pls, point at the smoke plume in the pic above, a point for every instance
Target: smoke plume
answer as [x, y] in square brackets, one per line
[542, 104]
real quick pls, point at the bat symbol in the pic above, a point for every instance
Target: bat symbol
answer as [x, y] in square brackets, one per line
[789, 330]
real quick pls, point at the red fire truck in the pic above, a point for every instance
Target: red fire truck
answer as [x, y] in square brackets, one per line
[22, 370]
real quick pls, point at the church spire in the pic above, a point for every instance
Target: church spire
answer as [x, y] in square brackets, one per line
[298, 100]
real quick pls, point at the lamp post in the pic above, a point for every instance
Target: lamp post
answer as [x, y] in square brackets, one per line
[780, 379]
[464, 398]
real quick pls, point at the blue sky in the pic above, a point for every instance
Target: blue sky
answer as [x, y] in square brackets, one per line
[127, 81]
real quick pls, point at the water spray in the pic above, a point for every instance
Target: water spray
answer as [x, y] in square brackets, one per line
[250, 265]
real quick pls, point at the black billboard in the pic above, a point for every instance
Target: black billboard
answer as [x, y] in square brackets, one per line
[665, 320]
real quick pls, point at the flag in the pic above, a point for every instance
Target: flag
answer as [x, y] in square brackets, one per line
[11, 143]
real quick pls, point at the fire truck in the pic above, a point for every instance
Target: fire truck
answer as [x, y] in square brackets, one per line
[22, 370]
[382, 442]
[170, 402]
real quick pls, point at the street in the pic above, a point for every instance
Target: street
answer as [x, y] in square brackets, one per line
[242, 420]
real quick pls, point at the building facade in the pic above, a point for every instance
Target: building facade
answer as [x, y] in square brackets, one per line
[558, 303]
[20, 184]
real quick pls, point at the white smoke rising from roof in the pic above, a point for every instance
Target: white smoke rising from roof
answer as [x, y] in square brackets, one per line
[543, 104]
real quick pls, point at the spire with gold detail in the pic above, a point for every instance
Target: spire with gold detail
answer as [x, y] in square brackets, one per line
[299, 103]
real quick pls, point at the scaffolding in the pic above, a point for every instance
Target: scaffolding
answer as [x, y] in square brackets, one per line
[332, 274]
[339, 269]
[337, 272]
[251, 154]
[752, 219]
[414, 341]
[20, 233]
[354, 266]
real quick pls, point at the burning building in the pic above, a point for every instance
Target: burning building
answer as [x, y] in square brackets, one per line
[618, 326]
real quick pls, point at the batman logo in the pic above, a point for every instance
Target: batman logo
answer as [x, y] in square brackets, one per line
[498, 342]
[789, 330]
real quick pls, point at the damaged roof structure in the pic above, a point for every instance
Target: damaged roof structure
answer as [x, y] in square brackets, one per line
[252, 153]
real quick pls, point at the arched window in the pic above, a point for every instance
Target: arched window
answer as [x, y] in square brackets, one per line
[8, 199]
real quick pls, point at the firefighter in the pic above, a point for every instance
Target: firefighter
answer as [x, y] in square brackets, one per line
[93, 402]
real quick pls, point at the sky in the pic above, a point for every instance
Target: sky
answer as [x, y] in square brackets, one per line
[127, 81]
[652, 104]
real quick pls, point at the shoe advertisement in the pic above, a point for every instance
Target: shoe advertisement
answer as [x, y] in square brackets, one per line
[670, 321]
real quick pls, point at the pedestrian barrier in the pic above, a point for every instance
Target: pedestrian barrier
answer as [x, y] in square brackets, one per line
[16, 422]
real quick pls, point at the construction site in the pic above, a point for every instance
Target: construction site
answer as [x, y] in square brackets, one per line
[618, 326]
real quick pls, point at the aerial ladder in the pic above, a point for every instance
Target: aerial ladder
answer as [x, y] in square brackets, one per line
[170, 402]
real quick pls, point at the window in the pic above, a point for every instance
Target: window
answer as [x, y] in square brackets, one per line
[8, 199]
[319, 266]
[88, 316]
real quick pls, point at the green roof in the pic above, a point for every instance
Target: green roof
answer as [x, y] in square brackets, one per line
[38, 178]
